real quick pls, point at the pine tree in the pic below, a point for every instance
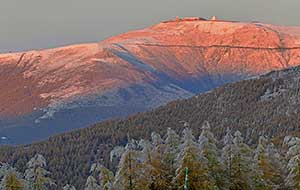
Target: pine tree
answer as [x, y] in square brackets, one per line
[262, 179]
[69, 187]
[293, 167]
[147, 150]
[241, 167]
[277, 162]
[130, 174]
[10, 178]
[172, 143]
[169, 154]
[36, 174]
[91, 184]
[209, 150]
[227, 157]
[156, 139]
[12, 182]
[190, 159]
[267, 166]
[116, 153]
[157, 172]
[106, 177]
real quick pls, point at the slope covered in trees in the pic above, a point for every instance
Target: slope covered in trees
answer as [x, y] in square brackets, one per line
[267, 105]
[180, 162]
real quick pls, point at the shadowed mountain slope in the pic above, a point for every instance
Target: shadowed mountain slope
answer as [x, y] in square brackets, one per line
[52, 91]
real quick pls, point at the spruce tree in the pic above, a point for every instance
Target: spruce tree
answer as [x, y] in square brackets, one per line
[293, 167]
[278, 164]
[227, 157]
[169, 155]
[241, 164]
[191, 159]
[10, 179]
[156, 170]
[264, 170]
[268, 166]
[36, 174]
[69, 187]
[91, 184]
[105, 176]
[209, 150]
[130, 174]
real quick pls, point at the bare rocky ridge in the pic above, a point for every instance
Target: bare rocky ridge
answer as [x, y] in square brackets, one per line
[50, 91]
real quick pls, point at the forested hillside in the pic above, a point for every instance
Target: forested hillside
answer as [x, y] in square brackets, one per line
[267, 105]
[177, 162]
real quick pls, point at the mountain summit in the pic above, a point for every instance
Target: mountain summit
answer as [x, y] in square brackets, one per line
[51, 91]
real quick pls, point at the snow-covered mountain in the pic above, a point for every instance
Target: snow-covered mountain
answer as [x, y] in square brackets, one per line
[45, 92]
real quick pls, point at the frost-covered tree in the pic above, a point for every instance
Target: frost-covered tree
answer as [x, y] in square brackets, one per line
[180, 163]
[10, 179]
[209, 150]
[227, 157]
[36, 175]
[293, 167]
[69, 187]
[172, 143]
[12, 182]
[266, 175]
[116, 153]
[293, 178]
[152, 163]
[105, 176]
[293, 145]
[91, 184]
[147, 151]
[156, 139]
[169, 156]
[131, 174]
[241, 164]
[190, 159]
[268, 164]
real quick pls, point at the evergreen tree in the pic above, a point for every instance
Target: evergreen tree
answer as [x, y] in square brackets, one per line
[293, 167]
[130, 174]
[241, 167]
[147, 151]
[157, 172]
[69, 187]
[209, 150]
[227, 157]
[106, 177]
[116, 153]
[156, 139]
[263, 178]
[91, 184]
[169, 155]
[189, 158]
[36, 174]
[268, 166]
[10, 179]
[172, 143]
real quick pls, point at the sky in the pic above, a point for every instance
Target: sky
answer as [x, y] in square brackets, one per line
[40, 24]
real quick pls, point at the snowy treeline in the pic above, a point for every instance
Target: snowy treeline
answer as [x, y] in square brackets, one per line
[35, 177]
[181, 162]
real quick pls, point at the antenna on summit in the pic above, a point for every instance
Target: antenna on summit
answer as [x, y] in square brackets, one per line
[213, 18]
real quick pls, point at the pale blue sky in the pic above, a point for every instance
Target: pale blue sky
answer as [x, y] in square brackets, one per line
[36, 24]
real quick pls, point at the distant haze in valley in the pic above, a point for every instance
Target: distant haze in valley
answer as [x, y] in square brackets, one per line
[36, 24]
